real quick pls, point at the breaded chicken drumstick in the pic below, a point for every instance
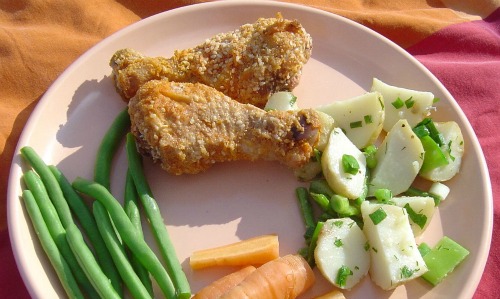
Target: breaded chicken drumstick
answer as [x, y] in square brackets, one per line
[247, 64]
[188, 127]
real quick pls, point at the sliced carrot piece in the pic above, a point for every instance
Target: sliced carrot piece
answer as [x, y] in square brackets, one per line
[253, 251]
[285, 277]
[224, 284]
[334, 294]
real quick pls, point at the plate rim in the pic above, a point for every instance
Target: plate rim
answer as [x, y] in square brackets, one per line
[13, 208]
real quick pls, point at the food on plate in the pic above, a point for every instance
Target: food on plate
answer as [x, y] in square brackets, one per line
[403, 103]
[442, 259]
[89, 264]
[247, 64]
[420, 210]
[341, 253]
[254, 251]
[286, 100]
[155, 219]
[452, 147]
[285, 277]
[334, 294]
[399, 159]
[440, 190]
[360, 117]
[395, 258]
[344, 165]
[190, 126]
[224, 284]
[282, 100]
[390, 165]
[53, 253]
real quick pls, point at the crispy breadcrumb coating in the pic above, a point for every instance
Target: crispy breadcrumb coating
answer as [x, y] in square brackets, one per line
[247, 64]
[188, 127]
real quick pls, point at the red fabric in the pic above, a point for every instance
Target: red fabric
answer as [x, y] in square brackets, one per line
[473, 49]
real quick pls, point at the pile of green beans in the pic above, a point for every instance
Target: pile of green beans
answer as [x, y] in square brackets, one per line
[96, 252]
[152, 210]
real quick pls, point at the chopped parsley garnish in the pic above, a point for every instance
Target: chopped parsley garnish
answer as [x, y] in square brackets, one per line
[342, 275]
[293, 100]
[410, 102]
[449, 152]
[350, 164]
[338, 242]
[368, 119]
[317, 155]
[417, 218]
[381, 103]
[338, 223]
[398, 103]
[406, 272]
[356, 124]
[378, 216]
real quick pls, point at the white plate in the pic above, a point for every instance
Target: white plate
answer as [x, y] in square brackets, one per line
[234, 201]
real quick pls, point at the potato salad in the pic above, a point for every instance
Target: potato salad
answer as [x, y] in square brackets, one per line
[362, 209]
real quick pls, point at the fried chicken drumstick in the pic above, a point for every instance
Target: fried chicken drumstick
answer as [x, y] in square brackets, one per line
[188, 127]
[247, 64]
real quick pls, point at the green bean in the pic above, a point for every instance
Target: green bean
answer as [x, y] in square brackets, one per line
[60, 265]
[117, 251]
[322, 201]
[128, 233]
[50, 182]
[321, 187]
[159, 230]
[102, 173]
[313, 243]
[56, 229]
[108, 147]
[131, 208]
[305, 207]
[89, 264]
[89, 226]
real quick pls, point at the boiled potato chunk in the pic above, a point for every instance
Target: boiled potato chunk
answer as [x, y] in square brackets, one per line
[395, 258]
[327, 125]
[341, 243]
[411, 105]
[282, 100]
[420, 211]
[399, 159]
[342, 182]
[361, 117]
[453, 149]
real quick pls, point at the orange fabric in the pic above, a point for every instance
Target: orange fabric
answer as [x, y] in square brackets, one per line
[40, 38]
[406, 22]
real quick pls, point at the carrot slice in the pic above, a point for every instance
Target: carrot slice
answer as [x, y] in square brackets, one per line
[222, 285]
[335, 294]
[285, 277]
[253, 251]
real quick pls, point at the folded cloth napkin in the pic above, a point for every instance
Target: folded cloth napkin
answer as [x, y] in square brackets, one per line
[459, 41]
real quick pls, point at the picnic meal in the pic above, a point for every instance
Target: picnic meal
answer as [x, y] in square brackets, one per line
[231, 98]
